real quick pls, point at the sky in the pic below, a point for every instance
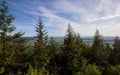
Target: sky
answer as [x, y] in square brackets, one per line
[85, 16]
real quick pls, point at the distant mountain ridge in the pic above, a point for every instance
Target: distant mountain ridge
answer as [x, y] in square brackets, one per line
[106, 38]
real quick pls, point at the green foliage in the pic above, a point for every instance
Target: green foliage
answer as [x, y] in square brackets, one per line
[2, 69]
[115, 53]
[46, 57]
[54, 57]
[99, 50]
[12, 45]
[32, 71]
[113, 70]
[19, 72]
[88, 69]
[41, 58]
[73, 46]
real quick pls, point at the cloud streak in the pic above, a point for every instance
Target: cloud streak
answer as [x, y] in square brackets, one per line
[85, 16]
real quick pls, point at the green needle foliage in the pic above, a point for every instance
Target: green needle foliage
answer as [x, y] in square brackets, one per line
[99, 51]
[73, 46]
[115, 53]
[11, 44]
[40, 49]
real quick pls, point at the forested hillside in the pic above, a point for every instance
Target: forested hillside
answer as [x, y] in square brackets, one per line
[47, 57]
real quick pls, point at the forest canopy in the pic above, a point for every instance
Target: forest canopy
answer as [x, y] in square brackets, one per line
[46, 57]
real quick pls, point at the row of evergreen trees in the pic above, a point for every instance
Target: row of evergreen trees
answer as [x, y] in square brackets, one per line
[46, 57]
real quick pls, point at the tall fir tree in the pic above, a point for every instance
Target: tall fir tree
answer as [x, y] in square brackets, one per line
[99, 52]
[115, 53]
[40, 49]
[10, 43]
[72, 52]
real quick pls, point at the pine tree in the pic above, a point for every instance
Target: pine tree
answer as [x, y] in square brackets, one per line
[115, 54]
[40, 49]
[72, 52]
[5, 25]
[54, 56]
[99, 53]
[10, 43]
[68, 47]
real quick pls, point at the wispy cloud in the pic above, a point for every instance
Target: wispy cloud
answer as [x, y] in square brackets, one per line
[84, 15]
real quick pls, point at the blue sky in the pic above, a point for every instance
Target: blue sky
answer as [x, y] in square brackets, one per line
[85, 16]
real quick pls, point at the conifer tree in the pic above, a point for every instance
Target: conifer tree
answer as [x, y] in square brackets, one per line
[40, 49]
[72, 52]
[99, 52]
[115, 54]
[54, 54]
[10, 43]
[5, 25]
[68, 47]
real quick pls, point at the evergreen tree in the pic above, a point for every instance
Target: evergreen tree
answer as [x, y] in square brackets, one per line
[72, 52]
[68, 47]
[88, 69]
[10, 43]
[40, 49]
[115, 54]
[54, 57]
[99, 53]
